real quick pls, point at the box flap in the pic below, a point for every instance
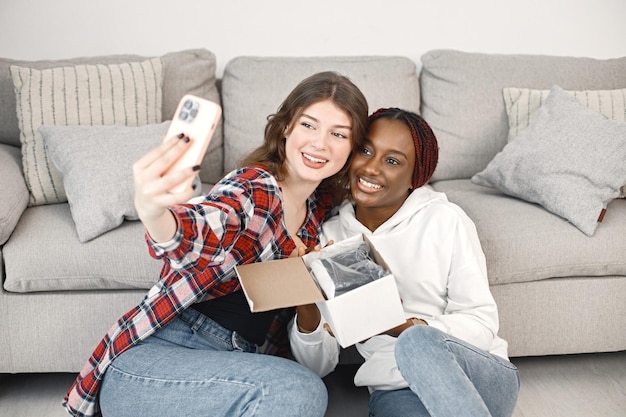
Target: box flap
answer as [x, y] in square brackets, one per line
[277, 284]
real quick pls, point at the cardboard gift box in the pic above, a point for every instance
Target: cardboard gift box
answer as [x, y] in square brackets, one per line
[353, 316]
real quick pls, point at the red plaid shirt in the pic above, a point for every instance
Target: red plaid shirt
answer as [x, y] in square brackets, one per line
[238, 222]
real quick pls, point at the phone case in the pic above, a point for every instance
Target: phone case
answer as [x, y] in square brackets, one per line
[197, 118]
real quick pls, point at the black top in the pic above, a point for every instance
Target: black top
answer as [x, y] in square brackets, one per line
[233, 313]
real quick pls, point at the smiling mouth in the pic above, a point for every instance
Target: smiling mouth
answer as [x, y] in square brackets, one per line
[369, 184]
[314, 159]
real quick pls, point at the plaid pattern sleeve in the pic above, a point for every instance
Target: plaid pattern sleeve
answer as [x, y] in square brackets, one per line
[239, 222]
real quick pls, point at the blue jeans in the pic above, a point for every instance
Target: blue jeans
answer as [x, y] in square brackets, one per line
[447, 377]
[194, 367]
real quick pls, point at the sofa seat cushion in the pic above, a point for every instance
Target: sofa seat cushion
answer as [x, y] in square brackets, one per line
[524, 242]
[44, 254]
[254, 87]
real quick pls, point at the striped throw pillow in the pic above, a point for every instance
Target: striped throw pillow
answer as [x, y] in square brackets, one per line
[522, 104]
[127, 94]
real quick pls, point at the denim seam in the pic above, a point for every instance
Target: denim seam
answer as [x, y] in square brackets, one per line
[485, 354]
[201, 381]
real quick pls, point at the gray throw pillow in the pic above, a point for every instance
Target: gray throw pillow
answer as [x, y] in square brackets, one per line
[523, 103]
[570, 160]
[96, 166]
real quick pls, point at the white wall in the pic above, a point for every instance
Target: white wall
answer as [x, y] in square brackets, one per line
[44, 29]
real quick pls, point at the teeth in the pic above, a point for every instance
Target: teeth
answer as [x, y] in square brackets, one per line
[369, 184]
[312, 159]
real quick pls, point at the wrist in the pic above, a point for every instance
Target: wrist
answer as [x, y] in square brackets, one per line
[417, 321]
[162, 227]
[303, 330]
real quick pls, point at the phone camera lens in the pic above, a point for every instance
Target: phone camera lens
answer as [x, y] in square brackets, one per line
[188, 111]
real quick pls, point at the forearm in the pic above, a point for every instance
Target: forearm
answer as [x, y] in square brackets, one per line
[308, 318]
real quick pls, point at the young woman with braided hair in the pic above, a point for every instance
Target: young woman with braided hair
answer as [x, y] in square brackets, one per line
[446, 359]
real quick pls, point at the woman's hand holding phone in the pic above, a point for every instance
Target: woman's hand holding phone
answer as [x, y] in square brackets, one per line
[163, 177]
[153, 181]
[196, 118]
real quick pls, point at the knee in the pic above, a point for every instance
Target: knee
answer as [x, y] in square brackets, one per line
[305, 387]
[418, 340]
[300, 376]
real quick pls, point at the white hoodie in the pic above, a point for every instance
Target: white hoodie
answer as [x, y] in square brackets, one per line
[432, 249]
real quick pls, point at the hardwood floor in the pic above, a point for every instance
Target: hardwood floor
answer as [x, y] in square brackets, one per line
[588, 385]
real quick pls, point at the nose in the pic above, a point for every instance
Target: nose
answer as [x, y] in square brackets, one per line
[371, 166]
[319, 140]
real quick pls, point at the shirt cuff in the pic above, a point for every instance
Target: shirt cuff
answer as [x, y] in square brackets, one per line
[315, 337]
[161, 248]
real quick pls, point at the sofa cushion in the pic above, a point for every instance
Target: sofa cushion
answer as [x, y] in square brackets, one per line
[524, 242]
[190, 71]
[254, 87]
[14, 192]
[128, 94]
[462, 98]
[44, 254]
[523, 103]
[570, 159]
[96, 165]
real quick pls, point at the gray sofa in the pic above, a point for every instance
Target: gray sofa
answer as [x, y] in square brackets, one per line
[559, 291]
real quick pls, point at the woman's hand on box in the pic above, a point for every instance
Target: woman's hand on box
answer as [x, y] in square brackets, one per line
[301, 250]
[395, 332]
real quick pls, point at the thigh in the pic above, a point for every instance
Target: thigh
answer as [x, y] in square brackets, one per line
[398, 403]
[163, 376]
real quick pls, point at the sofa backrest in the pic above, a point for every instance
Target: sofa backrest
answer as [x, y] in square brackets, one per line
[190, 71]
[462, 98]
[254, 87]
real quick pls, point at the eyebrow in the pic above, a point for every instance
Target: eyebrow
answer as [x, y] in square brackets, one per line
[316, 120]
[368, 141]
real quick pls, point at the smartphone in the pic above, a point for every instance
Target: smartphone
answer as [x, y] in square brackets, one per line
[197, 118]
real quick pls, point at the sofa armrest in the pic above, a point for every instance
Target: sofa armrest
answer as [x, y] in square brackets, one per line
[14, 192]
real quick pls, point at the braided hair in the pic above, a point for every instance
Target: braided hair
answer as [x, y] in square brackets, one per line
[424, 140]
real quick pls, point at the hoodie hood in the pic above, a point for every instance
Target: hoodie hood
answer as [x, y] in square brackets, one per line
[345, 224]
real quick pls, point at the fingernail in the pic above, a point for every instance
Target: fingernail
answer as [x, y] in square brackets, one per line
[193, 186]
[186, 139]
[180, 135]
[196, 168]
